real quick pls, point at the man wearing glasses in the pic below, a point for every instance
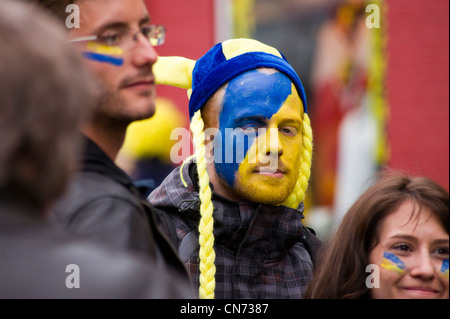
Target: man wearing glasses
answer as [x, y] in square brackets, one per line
[116, 39]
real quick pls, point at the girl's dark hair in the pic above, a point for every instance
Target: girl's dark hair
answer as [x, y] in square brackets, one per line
[344, 258]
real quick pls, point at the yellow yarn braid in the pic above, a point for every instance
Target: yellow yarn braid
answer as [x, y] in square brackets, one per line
[206, 225]
[298, 194]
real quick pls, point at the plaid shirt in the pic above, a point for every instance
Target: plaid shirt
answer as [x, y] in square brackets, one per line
[259, 252]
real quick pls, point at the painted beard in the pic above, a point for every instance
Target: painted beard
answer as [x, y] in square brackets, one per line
[269, 189]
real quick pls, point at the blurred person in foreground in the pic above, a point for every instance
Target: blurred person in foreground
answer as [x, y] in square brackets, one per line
[45, 94]
[392, 243]
[116, 40]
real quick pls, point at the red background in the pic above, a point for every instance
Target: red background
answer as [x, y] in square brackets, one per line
[418, 87]
[190, 33]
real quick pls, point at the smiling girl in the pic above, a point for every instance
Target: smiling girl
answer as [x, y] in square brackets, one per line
[401, 225]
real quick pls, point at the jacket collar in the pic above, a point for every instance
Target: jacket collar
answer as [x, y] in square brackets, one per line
[95, 160]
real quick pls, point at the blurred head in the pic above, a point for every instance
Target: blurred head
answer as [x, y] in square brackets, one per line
[45, 93]
[125, 71]
[397, 220]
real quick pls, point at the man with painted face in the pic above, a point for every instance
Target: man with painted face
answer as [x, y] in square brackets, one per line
[116, 40]
[234, 210]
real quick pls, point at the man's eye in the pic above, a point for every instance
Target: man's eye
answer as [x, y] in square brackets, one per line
[111, 39]
[146, 31]
[289, 131]
[249, 128]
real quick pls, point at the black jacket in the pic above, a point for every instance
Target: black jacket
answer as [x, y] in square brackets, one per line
[39, 261]
[103, 203]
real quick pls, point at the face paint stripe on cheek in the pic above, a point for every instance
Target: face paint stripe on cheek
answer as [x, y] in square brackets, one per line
[103, 58]
[444, 268]
[104, 49]
[392, 262]
[104, 54]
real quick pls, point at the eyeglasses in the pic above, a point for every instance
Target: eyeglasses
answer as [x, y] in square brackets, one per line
[127, 39]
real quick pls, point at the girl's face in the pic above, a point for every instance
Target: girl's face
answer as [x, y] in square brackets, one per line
[412, 256]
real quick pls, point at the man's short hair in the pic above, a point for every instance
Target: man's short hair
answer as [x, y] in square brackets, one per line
[45, 91]
[55, 7]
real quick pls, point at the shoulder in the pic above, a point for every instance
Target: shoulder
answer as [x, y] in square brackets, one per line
[105, 211]
[177, 190]
[93, 185]
[94, 192]
[70, 268]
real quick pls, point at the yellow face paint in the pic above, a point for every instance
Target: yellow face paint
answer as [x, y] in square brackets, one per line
[104, 49]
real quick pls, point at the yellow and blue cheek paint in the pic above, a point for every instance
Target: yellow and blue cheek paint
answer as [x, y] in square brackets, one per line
[251, 99]
[104, 54]
[392, 262]
[444, 268]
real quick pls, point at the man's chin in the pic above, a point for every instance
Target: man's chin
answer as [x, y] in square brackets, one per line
[139, 106]
[265, 196]
[139, 112]
[264, 190]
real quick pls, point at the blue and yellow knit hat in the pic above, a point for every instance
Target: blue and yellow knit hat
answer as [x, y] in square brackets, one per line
[227, 60]
[202, 79]
[218, 66]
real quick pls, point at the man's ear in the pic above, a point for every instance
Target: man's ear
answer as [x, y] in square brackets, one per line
[209, 152]
[210, 135]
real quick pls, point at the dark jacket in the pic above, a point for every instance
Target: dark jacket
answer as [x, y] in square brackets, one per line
[103, 203]
[39, 261]
[260, 249]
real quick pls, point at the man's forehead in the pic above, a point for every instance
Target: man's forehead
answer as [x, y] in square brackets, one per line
[262, 86]
[98, 14]
[215, 106]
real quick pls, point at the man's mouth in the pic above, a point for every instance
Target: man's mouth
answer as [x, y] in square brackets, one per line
[140, 84]
[270, 172]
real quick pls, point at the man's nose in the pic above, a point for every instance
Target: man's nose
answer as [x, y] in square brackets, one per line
[273, 145]
[144, 53]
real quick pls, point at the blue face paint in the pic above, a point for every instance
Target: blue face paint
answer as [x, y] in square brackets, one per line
[251, 99]
[102, 58]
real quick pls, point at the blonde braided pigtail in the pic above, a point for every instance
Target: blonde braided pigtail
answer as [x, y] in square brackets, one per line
[206, 237]
[298, 194]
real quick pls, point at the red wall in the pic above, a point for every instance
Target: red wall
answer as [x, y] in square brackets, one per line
[418, 87]
[190, 33]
